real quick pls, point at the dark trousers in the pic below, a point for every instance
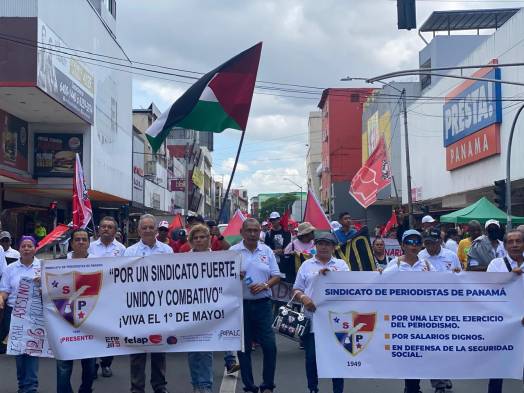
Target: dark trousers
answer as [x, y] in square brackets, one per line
[106, 361]
[411, 385]
[64, 369]
[4, 326]
[311, 367]
[138, 372]
[258, 318]
[495, 386]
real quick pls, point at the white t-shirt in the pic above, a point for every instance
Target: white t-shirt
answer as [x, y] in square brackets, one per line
[99, 249]
[141, 250]
[12, 275]
[444, 261]
[452, 245]
[400, 266]
[499, 266]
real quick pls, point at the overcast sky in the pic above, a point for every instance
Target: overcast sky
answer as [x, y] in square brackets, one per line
[308, 42]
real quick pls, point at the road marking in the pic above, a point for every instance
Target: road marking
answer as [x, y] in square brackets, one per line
[229, 382]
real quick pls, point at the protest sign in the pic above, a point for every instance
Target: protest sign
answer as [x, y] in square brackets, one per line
[419, 325]
[391, 247]
[27, 333]
[159, 303]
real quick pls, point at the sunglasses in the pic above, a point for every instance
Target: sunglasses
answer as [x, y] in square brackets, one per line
[413, 242]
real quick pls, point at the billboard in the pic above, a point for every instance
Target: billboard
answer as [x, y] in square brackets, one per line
[14, 143]
[54, 154]
[65, 79]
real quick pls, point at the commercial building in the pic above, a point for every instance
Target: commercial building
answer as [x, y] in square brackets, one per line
[314, 151]
[54, 104]
[459, 143]
[341, 146]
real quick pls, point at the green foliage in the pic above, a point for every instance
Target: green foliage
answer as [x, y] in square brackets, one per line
[277, 204]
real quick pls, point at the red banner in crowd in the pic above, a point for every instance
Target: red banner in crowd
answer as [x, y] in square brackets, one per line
[372, 177]
[390, 224]
[56, 235]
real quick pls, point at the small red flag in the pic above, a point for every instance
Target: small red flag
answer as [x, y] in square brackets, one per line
[372, 177]
[284, 220]
[176, 223]
[55, 235]
[82, 211]
[314, 214]
[390, 224]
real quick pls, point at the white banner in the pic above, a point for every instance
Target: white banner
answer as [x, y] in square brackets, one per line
[27, 333]
[159, 303]
[419, 325]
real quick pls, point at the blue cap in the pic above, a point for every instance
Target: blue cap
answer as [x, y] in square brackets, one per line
[411, 232]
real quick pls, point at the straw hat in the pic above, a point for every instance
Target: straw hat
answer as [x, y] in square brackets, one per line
[304, 228]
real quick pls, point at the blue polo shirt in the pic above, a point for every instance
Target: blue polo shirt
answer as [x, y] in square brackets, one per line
[343, 237]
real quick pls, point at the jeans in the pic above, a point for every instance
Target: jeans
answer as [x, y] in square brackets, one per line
[495, 386]
[138, 372]
[412, 385]
[201, 369]
[27, 373]
[64, 369]
[258, 318]
[311, 367]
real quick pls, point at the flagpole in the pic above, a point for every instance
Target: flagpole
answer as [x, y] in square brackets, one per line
[232, 176]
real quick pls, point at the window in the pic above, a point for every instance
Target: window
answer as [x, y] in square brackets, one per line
[425, 80]
[111, 7]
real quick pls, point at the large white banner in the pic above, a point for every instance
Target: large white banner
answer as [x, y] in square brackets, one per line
[159, 303]
[27, 333]
[419, 325]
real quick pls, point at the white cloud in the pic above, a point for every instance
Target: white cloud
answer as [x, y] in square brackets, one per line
[227, 165]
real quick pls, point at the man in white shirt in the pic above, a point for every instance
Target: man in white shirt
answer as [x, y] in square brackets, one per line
[10, 253]
[442, 259]
[514, 245]
[106, 246]
[260, 272]
[148, 245]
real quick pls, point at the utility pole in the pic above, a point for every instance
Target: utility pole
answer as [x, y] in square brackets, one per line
[186, 185]
[408, 165]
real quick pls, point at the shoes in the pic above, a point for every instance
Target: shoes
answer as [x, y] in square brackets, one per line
[232, 367]
[449, 385]
[107, 372]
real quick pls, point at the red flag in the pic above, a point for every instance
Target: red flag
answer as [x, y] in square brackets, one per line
[176, 223]
[390, 224]
[82, 210]
[372, 177]
[284, 220]
[55, 235]
[314, 214]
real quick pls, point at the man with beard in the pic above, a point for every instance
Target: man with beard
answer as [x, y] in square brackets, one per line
[486, 248]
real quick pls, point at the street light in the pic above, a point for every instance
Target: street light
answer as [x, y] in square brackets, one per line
[300, 187]
[406, 140]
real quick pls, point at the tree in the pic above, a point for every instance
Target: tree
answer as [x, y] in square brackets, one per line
[277, 204]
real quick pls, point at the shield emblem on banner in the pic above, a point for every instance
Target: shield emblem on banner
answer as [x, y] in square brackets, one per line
[74, 294]
[353, 330]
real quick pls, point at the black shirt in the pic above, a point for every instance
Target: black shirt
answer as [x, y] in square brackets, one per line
[277, 239]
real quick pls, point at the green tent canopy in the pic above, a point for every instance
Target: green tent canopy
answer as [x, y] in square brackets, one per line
[482, 210]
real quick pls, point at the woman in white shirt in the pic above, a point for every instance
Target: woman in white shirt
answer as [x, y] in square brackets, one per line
[27, 266]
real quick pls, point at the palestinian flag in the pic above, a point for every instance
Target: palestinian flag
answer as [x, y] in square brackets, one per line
[220, 99]
[232, 232]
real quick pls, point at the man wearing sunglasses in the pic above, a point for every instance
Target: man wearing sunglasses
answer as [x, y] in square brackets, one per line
[410, 262]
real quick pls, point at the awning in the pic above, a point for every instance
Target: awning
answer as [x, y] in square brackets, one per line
[482, 210]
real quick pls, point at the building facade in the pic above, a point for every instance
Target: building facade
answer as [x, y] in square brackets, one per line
[54, 104]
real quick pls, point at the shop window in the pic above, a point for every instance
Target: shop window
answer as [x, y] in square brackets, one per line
[425, 80]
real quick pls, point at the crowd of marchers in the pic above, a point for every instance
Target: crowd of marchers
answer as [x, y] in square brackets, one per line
[262, 248]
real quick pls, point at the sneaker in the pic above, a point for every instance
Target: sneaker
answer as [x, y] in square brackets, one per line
[232, 367]
[107, 372]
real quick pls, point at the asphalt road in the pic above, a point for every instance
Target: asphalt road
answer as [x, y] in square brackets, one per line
[290, 377]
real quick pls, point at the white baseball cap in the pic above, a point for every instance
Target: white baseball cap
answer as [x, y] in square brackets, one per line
[264, 223]
[427, 219]
[274, 215]
[163, 224]
[490, 222]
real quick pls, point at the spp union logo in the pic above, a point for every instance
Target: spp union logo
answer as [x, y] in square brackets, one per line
[74, 294]
[353, 330]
